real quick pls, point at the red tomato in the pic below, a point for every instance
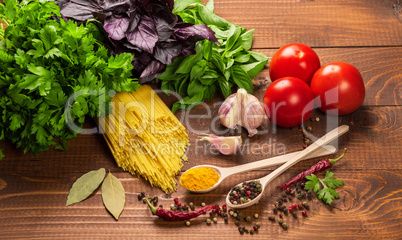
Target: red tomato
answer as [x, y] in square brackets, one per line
[338, 87]
[288, 101]
[294, 60]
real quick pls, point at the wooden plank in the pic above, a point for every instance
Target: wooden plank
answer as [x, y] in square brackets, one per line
[316, 23]
[369, 208]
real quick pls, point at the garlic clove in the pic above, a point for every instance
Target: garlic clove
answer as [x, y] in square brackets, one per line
[225, 145]
[242, 109]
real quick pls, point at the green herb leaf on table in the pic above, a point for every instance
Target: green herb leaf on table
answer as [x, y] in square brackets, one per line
[43, 62]
[1, 154]
[214, 67]
[327, 193]
[84, 186]
[113, 195]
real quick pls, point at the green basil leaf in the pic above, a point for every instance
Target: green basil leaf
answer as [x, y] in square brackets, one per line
[183, 4]
[85, 186]
[113, 195]
[220, 33]
[210, 18]
[242, 79]
[195, 87]
[218, 61]
[253, 69]
[210, 91]
[190, 61]
[230, 63]
[225, 87]
[234, 35]
[198, 70]
[183, 86]
[188, 102]
[210, 6]
[242, 57]
[207, 49]
[1, 154]
[247, 39]
[259, 56]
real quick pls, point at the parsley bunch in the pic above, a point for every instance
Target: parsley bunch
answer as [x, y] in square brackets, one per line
[329, 183]
[44, 60]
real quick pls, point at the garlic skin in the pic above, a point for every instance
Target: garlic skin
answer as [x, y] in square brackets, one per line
[242, 109]
[225, 145]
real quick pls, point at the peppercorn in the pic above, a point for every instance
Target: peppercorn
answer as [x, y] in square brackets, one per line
[275, 210]
[161, 206]
[224, 207]
[248, 219]
[140, 197]
[280, 216]
[309, 197]
[258, 224]
[299, 196]
[276, 204]
[294, 214]
[237, 223]
[211, 213]
[226, 219]
[304, 213]
[215, 219]
[284, 195]
[285, 211]
[191, 206]
[176, 199]
[300, 206]
[241, 230]
[155, 199]
[290, 198]
[307, 207]
[280, 221]
[208, 221]
[309, 128]
[178, 204]
[285, 226]
[271, 219]
[255, 215]
[231, 213]
[188, 223]
[303, 195]
[251, 231]
[317, 119]
[235, 215]
[144, 200]
[203, 204]
[285, 200]
[245, 230]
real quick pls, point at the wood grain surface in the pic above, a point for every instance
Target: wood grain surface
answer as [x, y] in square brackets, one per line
[365, 33]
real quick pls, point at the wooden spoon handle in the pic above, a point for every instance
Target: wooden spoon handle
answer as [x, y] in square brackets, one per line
[306, 152]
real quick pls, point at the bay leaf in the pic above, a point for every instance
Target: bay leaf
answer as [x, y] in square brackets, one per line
[113, 195]
[85, 186]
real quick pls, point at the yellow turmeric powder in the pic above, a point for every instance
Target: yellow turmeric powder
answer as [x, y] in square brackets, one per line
[199, 179]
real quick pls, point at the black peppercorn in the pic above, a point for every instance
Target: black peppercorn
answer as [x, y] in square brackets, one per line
[294, 214]
[271, 219]
[275, 210]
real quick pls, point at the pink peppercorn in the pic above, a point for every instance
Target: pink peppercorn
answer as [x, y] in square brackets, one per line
[304, 213]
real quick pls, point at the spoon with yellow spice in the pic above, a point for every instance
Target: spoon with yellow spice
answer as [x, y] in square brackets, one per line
[205, 178]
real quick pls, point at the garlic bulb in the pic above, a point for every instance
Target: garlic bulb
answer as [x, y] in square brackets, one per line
[242, 109]
[225, 145]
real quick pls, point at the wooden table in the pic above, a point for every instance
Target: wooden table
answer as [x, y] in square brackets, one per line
[365, 33]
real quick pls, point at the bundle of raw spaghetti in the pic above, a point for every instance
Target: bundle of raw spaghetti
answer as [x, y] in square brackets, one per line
[145, 137]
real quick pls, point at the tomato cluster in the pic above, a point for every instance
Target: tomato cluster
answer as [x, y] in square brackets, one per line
[299, 82]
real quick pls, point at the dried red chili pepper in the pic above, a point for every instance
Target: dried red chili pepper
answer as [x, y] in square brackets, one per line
[179, 216]
[316, 168]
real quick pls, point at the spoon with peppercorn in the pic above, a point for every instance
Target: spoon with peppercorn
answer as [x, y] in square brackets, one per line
[202, 183]
[254, 189]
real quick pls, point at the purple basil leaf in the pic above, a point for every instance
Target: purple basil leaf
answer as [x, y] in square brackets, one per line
[144, 36]
[200, 31]
[134, 20]
[164, 20]
[170, 3]
[155, 68]
[116, 27]
[188, 48]
[166, 52]
[117, 6]
[80, 10]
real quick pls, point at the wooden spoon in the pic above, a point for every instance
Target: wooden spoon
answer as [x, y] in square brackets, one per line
[334, 134]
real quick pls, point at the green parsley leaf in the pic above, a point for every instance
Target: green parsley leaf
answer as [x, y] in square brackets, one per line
[327, 193]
